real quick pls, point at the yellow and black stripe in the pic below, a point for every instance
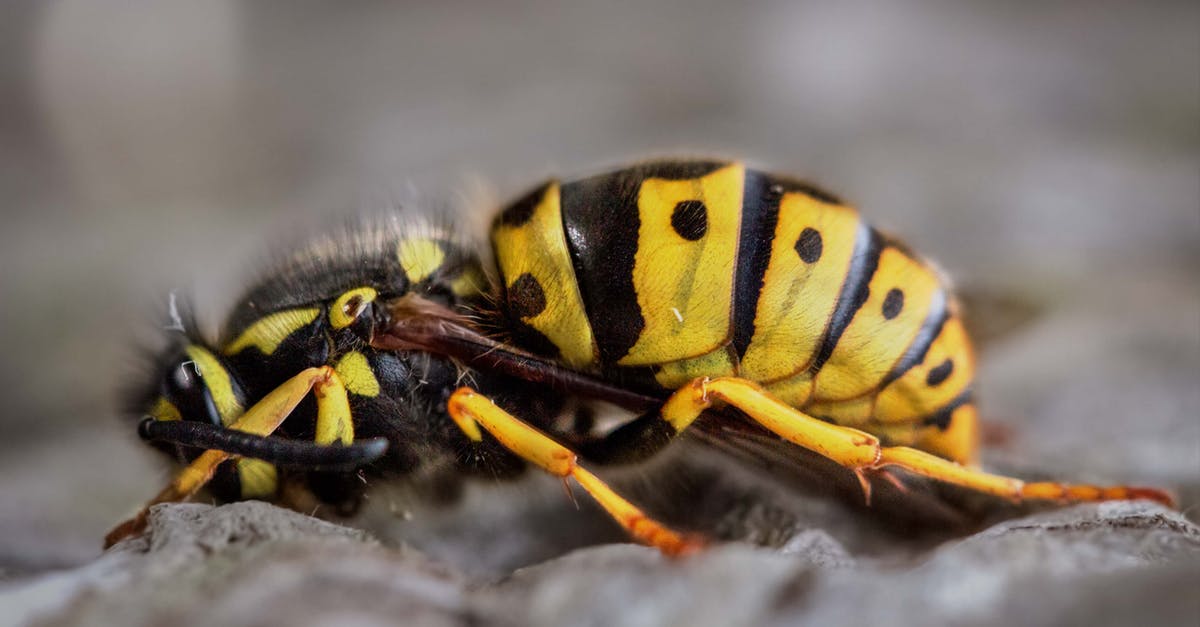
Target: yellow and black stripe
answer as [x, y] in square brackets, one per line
[678, 269]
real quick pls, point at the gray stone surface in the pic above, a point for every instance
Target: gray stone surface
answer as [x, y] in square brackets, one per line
[1047, 154]
[252, 563]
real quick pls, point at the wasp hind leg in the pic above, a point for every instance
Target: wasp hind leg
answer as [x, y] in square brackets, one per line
[334, 425]
[471, 410]
[863, 453]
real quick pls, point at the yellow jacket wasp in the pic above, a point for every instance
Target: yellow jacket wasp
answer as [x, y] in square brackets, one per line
[670, 288]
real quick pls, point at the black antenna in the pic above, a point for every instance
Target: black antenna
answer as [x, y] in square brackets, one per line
[283, 452]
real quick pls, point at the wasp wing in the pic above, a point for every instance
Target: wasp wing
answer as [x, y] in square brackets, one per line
[900, 501]
[903, 502]
[906, 502]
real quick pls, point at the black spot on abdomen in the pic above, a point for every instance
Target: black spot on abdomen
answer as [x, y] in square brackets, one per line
[809, 245]
[893, 303]
[690, 219]
[930, 330]
[940, 373]
[526, 298]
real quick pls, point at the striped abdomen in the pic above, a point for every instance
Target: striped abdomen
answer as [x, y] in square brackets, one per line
[679, 269]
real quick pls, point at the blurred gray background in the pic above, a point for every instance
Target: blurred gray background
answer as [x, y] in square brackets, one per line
[1047, 152]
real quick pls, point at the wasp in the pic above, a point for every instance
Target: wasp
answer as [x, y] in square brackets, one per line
[670, 288]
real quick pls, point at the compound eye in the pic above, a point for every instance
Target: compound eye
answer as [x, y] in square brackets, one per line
[186, 390]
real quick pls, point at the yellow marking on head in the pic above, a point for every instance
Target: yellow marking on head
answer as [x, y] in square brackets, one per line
[270, 331]
[164, 410]
[719, 363]
[901, 293]
[911, 396]
[355, 372]
[420, 258]
[798, 295]
[683, 269]
[349, 305]
[217, 380]
[537, 247]
[259, 479]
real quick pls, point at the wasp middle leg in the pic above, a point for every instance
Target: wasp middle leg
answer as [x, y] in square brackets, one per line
[470, 410]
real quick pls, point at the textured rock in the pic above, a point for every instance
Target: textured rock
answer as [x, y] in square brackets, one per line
[252, 563]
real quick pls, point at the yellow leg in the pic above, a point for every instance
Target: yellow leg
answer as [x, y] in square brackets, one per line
[470, 410]
[922, 463]
[862, 452]
[262, 419]
[335, 424]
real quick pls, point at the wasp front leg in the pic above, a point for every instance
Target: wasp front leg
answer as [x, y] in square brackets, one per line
[863, 453]
[471, 410]
[246, 434]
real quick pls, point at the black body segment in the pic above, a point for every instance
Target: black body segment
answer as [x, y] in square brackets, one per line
[853, 294]
[760, 214]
